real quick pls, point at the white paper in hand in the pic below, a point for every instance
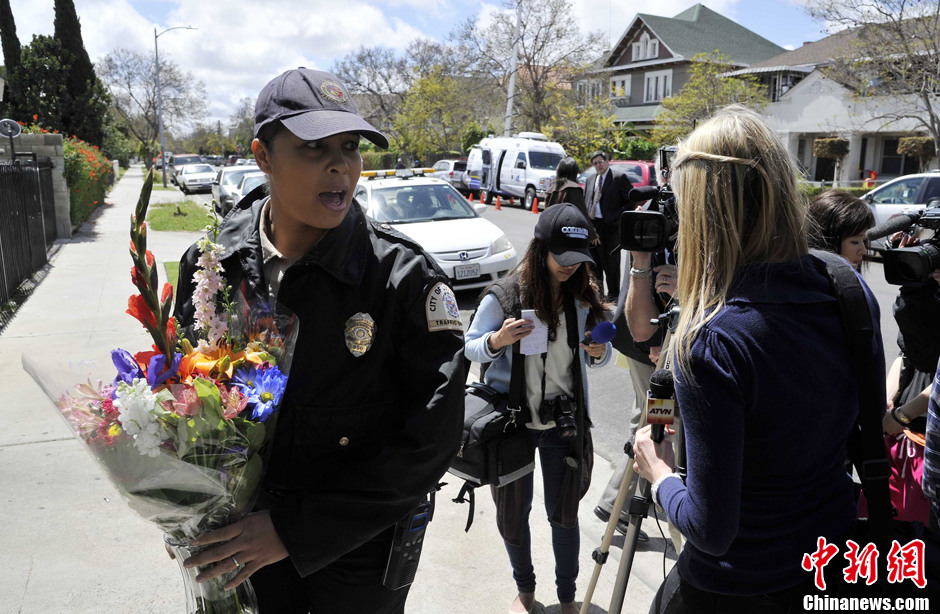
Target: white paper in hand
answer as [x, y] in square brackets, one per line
[535, 342]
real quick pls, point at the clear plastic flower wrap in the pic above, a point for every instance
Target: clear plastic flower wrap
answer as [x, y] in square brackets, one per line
[182, 429]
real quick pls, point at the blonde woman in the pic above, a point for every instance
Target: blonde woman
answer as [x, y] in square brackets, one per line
[766, 392]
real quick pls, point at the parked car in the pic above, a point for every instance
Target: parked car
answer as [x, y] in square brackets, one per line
[473, 251]
[224, 186]
[247, 183]
[639, 172]
[451, 171]
[195, 178]
[903, 195]
[158, 160]
[177, 161]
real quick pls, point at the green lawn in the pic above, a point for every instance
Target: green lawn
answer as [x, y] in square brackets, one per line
[172, 272]
[184, 215]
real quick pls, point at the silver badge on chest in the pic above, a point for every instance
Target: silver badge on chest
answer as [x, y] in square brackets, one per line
[360, 332]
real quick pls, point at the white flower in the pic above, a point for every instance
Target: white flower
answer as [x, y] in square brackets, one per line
[135, 404]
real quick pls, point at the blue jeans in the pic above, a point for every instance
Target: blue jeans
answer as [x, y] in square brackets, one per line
[566, 543]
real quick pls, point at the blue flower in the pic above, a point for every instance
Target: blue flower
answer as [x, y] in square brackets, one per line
[158, 372]
[263, 388]
[126, 366]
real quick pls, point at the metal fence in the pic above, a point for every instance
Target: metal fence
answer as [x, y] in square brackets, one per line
[27, 221]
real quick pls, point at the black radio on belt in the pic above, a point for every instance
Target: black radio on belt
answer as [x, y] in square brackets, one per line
[406, 547]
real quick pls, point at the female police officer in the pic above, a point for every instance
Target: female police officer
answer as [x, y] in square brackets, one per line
[369, 423]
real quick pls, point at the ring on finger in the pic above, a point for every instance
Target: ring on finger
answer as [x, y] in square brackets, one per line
[234, 560]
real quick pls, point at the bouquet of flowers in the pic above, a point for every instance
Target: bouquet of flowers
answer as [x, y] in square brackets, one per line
[182, 428]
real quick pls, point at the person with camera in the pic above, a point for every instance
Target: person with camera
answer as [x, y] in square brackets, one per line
[765, 427]
[555, 282]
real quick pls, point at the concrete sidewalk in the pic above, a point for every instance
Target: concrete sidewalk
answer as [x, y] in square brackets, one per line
[70, 544]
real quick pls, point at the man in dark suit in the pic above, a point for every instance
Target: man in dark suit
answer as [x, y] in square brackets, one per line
[606, 197]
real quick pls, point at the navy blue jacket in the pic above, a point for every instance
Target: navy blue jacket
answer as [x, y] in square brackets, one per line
[766, 420]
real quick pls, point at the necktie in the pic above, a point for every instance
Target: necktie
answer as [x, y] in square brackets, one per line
[596, 208]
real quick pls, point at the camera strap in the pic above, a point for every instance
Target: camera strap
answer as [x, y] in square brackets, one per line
[865, 445]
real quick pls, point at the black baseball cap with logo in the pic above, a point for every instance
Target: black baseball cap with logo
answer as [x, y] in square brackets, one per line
[567, 233]
[313, 105]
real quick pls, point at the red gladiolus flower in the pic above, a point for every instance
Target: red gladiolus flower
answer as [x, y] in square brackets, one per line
[138, 308]
[137, 279]
[35, 116]
[149, 258]
[167, 292]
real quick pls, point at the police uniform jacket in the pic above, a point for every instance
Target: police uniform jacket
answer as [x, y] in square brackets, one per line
[360, 440]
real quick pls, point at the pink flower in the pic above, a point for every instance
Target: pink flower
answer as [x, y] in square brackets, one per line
[187, 401]
[233, 401]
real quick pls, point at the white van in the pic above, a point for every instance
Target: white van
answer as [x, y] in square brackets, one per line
[522, 166]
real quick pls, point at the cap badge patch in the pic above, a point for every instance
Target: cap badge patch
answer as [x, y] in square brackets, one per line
[360, 331]
[334, 91]
[441, 309]
[575, 232]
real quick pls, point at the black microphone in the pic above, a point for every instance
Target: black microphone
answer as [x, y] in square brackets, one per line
[602, 333]
[646, 192]
[660, 402]
[893, 225]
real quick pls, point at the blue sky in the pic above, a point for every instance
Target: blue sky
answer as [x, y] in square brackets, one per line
[241, 44]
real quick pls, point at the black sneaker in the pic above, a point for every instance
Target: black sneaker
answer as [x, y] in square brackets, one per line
[622, 525]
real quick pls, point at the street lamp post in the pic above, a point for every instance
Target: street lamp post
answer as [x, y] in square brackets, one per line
[156, 58]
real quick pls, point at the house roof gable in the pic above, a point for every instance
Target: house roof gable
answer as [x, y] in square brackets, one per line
[696, 30]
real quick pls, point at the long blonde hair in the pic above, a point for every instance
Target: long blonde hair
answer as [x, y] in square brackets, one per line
[738, 203]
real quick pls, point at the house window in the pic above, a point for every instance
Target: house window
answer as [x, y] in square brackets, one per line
[653, 49]
[620, 87]
[641, 49]
[658, 86]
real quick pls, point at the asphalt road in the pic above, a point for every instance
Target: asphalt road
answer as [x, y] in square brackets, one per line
[611, 390]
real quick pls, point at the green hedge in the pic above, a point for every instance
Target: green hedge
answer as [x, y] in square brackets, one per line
[88, 174]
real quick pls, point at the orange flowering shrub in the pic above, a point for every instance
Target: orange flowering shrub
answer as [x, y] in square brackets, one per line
[88, 174]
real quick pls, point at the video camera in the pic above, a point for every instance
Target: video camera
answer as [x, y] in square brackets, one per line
[911, 266]
[654, 228]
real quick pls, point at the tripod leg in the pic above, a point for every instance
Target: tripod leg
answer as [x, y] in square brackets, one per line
[629, 549]
[600, 554]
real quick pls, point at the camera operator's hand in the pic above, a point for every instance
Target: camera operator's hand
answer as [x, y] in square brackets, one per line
[511, 331]
[652, 460]
[667, 279]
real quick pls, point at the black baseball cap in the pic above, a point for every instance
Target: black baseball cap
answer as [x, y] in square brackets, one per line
[567, 233]
[313, 105]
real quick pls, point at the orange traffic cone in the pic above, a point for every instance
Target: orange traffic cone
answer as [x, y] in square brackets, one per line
[470, 196]
[511, 202]
[498, 208]
[535, 205]
[481, 197]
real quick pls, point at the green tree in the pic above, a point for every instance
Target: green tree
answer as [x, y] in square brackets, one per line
[84, 103]
[639, 148]
[43, 82]
[435, 116]
[582, 130]
[12, 52]
[705, 92]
